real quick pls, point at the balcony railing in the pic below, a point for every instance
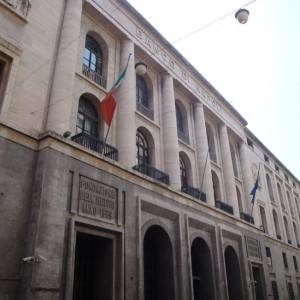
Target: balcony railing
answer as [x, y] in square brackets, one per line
[278, 236]
[246, 217]
[148, 112]
[95, 144]
[153, 173]
[182, 136]
[224, 206]
[196, 193]
[98, 78]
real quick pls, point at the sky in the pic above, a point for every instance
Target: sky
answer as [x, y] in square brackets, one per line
[255, 66]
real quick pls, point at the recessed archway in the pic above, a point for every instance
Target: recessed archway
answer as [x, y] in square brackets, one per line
[158, 265]
[203, 285]
[233, 274]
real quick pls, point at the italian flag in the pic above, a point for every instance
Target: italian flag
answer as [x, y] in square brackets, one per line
[108, 104]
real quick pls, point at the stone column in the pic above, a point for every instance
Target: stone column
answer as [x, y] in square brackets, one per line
[202, 152]
[246, 174]
[61, 98]
[170, 138]
[228, 175]
[126, 130]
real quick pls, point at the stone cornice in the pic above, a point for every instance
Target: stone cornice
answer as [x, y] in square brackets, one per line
[191, 68]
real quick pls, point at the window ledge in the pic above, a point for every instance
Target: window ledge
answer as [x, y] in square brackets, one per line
[186, 145]
[98, 86]
[147, 119]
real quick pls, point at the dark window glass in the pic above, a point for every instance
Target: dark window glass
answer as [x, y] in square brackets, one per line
[269, 256]
[211, 143]
[179, 119]
[275, 290]
[291, 291]
[141, 91]
[183, 172]
[92, 55]
[295, 263]
[285, 260]
[142, 149]
[87, 118]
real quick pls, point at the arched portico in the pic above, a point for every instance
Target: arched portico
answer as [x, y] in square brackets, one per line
[158, 265]
[203, 285]
[233, 274]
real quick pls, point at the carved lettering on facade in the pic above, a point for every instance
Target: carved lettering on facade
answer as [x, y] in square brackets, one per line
[163, 56]
[97, 200]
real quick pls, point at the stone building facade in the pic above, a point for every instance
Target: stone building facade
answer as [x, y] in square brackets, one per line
[162, 209]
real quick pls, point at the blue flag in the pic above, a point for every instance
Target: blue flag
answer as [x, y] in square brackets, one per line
[253, 191]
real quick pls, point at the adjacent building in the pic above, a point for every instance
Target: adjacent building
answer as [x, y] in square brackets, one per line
[157, 208]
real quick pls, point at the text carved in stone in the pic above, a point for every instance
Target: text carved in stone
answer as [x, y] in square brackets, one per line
[97, 200]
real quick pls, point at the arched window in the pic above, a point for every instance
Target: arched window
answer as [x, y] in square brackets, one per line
[296, 233]
[239, 198]
[141, 91]
[290, 203]
[263, 219]
[234, 161]
[286, 225]
[179, 119]
[92, 56]
[216, 186]
[280, 196]
[270, 188]
[276, 225]
[87, 118]
[142, 149]
[183, 172]
[211, 143]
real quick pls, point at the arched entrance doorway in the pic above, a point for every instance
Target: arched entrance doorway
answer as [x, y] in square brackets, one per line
[203, 286]
[158, 265]
[233, 274]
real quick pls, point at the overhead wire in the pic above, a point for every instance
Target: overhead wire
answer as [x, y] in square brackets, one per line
[117, 7]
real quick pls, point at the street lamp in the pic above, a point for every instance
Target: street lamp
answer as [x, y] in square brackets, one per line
[242, 15]
[140, 68]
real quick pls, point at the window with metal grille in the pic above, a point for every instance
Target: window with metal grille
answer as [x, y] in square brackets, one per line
[141, 91]
[5, 63]
[87, 118]
[179, 119]
[183, 172]
[142, 149]
[92, 56]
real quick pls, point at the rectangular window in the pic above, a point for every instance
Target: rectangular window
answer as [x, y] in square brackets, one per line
[285, 260]
[295, 263]
[5, 63]
[269, 256]
[275, 290]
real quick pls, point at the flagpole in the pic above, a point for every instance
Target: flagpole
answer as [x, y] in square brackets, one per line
[110, 91]
[202, 180]
[253, 197]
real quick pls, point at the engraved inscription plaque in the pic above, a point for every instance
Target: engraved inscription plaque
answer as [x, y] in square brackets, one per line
[97, 200]
[253, 247]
